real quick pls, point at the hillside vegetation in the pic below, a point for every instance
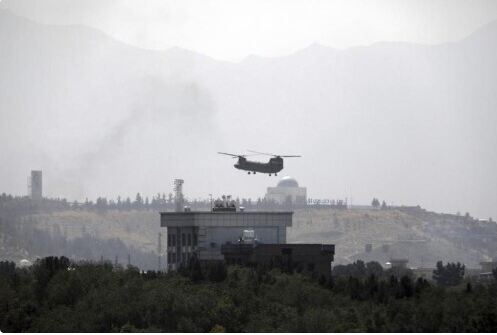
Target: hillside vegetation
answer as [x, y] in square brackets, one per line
[131, 235]
[405, 232]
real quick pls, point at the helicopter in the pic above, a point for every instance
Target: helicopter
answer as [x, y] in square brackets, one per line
[274, 165]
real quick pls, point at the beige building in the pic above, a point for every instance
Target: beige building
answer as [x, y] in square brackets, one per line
[287, 191]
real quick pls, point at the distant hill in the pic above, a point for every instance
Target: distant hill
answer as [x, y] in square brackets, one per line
[404, 233]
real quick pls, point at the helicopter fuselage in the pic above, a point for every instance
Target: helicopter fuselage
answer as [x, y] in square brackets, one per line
[274, 165]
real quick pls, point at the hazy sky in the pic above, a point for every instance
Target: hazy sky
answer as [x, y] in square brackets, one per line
[88, 111]
[232, 30]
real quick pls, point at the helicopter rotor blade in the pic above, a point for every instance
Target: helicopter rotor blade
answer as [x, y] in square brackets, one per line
[232, 155]
[268, 154]
[261, 153]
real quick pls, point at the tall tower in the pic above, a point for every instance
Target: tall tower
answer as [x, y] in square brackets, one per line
[36, 185]
[178, 196]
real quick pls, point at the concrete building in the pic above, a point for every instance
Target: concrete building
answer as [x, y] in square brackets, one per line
[287, 191]
[486, 274]
[36, 185]
[205, 232]
[488, 266]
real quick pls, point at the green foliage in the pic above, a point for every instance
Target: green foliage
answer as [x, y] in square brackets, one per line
[451, 274]
[214, 271]
[7, 270]
[98, 297]
[359, 270]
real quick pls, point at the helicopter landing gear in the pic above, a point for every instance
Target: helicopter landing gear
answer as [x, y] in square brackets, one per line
[248, 172]
[269, 175]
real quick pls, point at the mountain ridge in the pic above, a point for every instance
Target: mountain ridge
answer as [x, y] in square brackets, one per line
[368, 116]
[488, 28]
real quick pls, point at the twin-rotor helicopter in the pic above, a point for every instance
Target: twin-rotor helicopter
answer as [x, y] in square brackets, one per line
[274, 165]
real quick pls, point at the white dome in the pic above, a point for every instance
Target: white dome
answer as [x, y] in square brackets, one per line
[25, 262]
[288, 182]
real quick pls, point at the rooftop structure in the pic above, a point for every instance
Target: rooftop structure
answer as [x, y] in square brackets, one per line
[288, 181]
[204, 232]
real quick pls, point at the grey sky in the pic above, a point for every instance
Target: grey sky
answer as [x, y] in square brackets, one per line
[404, 123]
[232, 30]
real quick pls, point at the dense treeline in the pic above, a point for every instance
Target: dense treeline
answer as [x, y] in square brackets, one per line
[159, 202]
[56, 296]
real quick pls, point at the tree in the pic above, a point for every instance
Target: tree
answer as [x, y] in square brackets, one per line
[7, 269]
[355, 270]
[375, 203]
[449, 275]
[384, 205]
[194, 270]
[45, 269]
[138, 203]
[374, 268]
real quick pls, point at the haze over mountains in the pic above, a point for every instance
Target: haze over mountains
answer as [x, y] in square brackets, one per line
[410, 124]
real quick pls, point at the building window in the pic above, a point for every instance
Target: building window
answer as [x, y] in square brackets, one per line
[173, 240]
[168, 240]
[183, 240]
[195, 240]
[189, 239]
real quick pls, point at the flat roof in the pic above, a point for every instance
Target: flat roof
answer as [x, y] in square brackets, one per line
[226, 219]
[227, 212]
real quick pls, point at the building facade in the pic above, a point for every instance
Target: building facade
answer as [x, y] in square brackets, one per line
[287, 191]
[205, 232]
